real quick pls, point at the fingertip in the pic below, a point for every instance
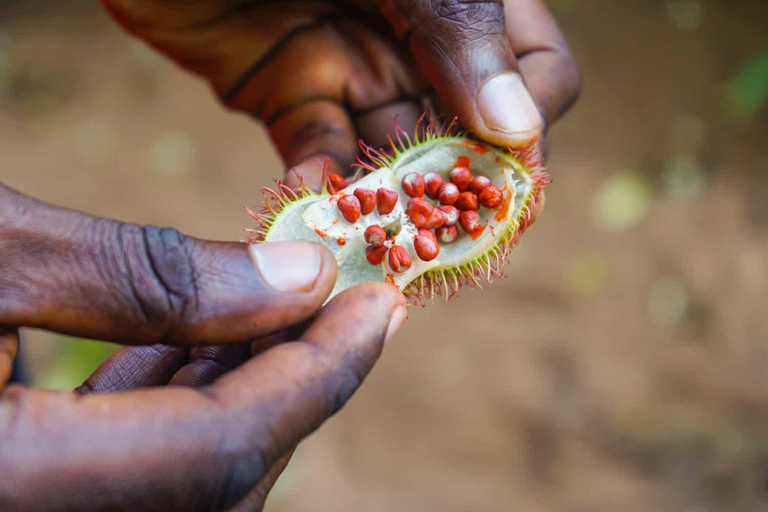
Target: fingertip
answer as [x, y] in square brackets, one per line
[508, 112]
[295, 267]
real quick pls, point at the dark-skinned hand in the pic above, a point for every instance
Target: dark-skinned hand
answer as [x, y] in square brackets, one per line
[212, 447]
[320, 75]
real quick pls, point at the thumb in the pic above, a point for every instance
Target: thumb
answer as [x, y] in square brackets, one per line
[463, 50]
[68, 272]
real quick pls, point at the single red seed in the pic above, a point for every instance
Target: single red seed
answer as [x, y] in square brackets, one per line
[386, 200]
[399, 259]
[420, 212]
[337, 183]
[413, 184]
[470, 221]
[478, 184]
[491, 197]
[367, 199]
[436, 219]
[467, 201]
[451, 214]
[375, 235]
[434, 182]
[426, 232]
[447, 234]
[375, 255]
[349, 206]
[449, 193]
[426, 247]
[461, 177]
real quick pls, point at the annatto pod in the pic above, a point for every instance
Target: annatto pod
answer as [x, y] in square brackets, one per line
[468, 260]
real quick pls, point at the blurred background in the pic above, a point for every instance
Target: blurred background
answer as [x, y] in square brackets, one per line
[623, 362]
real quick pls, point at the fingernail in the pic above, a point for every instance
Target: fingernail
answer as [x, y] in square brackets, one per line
[310, 171]
[506, 106]
[398, 318]
[287, 266]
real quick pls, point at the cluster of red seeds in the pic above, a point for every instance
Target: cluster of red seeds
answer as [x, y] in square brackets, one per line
[458, 202]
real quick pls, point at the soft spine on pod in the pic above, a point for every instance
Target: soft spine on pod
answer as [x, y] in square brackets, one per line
[446, 282]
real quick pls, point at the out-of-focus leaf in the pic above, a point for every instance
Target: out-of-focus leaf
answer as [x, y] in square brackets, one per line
[586, 272]
[76, 360]
[623, 201]
[683, 176]
[685, 14]
[746, 93]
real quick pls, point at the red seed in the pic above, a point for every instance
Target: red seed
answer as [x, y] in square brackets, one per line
[426, 232]
[420, 212]
[478, 184]
[467, 201]
[399, 259]
[426, 247]
[449, 193]
[413, 184]
[447, 234]
[349, 206]
[461, 177]
[470, 221]
[375, 235]
[375, 255]
[367, 199]
[451, 214]
[386, 200]
[436, 219]
[491, 197]
[337, 182]
[434, 182]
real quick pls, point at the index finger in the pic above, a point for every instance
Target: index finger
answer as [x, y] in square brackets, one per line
[181, 448]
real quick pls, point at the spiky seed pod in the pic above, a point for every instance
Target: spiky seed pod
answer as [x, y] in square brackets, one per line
[426, 247]
[413, 184]
[349, 206]
[467, 201]
[399, 259]
[375, 255]
[303, 214]
[386, 200]
[336, 183]
[447, 234]
[433, 183]
[451, 214]
[367, 198]
[470, 222]
[449, 193]
[478, 184]
[461, 177]
[375, 235]
[491, 197]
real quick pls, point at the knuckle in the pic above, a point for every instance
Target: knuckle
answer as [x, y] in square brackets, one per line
[472, 19]
[163, 277]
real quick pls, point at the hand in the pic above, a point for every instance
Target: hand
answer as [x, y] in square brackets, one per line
[324, 74]
[174, 448]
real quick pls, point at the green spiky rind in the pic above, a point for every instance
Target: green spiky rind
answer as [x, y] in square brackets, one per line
[484, 268]
[436, 282]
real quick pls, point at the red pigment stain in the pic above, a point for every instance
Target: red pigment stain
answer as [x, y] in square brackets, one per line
[389, 279]
[503, 209]
[462, 161]
[341, 242]
[335, 221]
[498, 161]
[477, 233]
[475, 147]
[322, 234]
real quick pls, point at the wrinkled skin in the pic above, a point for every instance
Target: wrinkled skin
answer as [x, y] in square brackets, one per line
[253, 368]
